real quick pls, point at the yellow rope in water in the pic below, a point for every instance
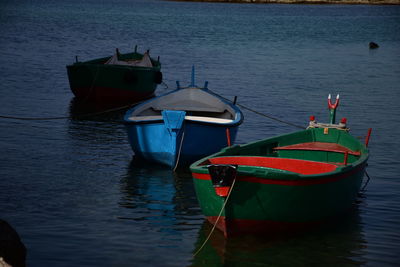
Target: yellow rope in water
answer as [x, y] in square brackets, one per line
[179, 152]
[216, 222]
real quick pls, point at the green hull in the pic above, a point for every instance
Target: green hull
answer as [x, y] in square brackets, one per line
[105, 83]
[279, 186]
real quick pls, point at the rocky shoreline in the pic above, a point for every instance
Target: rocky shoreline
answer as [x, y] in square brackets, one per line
[350, 2]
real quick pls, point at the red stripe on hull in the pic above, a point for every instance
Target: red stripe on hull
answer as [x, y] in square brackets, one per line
[235, 227]
[252, 179]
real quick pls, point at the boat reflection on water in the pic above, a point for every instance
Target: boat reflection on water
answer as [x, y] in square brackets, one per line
[159, 211]
[164, 199]
[338, 243]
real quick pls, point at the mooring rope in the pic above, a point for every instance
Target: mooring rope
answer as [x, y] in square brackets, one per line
[366, 183]
[263, 114]
[216, 221]
[179, 151]
[68, 117]
[270, 117]
[31, 118]
[166, 87]
[85, 100]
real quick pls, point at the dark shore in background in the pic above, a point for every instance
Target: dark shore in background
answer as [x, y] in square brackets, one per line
[347, 2]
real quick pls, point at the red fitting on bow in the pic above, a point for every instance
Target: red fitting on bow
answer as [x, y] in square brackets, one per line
[333, 106]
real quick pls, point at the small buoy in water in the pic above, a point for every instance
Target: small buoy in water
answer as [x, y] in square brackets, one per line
[373, 45]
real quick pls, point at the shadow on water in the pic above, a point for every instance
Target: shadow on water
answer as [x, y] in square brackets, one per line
[340, 242]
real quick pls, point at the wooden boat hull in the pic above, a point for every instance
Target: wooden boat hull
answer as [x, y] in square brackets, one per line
[153, 141]
[182, 126]
[105, 83]
[283, 190]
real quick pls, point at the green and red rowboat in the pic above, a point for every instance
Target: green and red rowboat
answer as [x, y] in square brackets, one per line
[121, 78]
[283, 183]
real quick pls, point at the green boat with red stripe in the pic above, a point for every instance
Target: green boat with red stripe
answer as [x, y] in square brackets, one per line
[284, 183]
[117, 79]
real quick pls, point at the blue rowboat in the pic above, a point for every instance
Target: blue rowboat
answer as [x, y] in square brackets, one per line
[182, 126]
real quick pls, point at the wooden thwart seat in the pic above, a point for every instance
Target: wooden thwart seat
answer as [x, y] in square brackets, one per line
[190, 118]
[208, 119]
[319, 146]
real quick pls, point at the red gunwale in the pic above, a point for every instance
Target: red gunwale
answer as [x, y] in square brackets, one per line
[304, 182]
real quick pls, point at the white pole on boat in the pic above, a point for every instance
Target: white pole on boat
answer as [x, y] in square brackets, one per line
[193, 78]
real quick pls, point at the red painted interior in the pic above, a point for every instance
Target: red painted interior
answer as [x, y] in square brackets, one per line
[319, 146]
[293, 165]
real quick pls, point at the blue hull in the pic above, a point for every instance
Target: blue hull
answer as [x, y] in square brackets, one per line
[182, 126]
[155, 142]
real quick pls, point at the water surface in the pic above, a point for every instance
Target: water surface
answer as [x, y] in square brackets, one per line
[77, 196]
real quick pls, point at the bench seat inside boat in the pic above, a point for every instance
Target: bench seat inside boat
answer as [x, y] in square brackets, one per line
[305, 167]
[190, 108]
[191, 118]
[319, 146]
[208, 119]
